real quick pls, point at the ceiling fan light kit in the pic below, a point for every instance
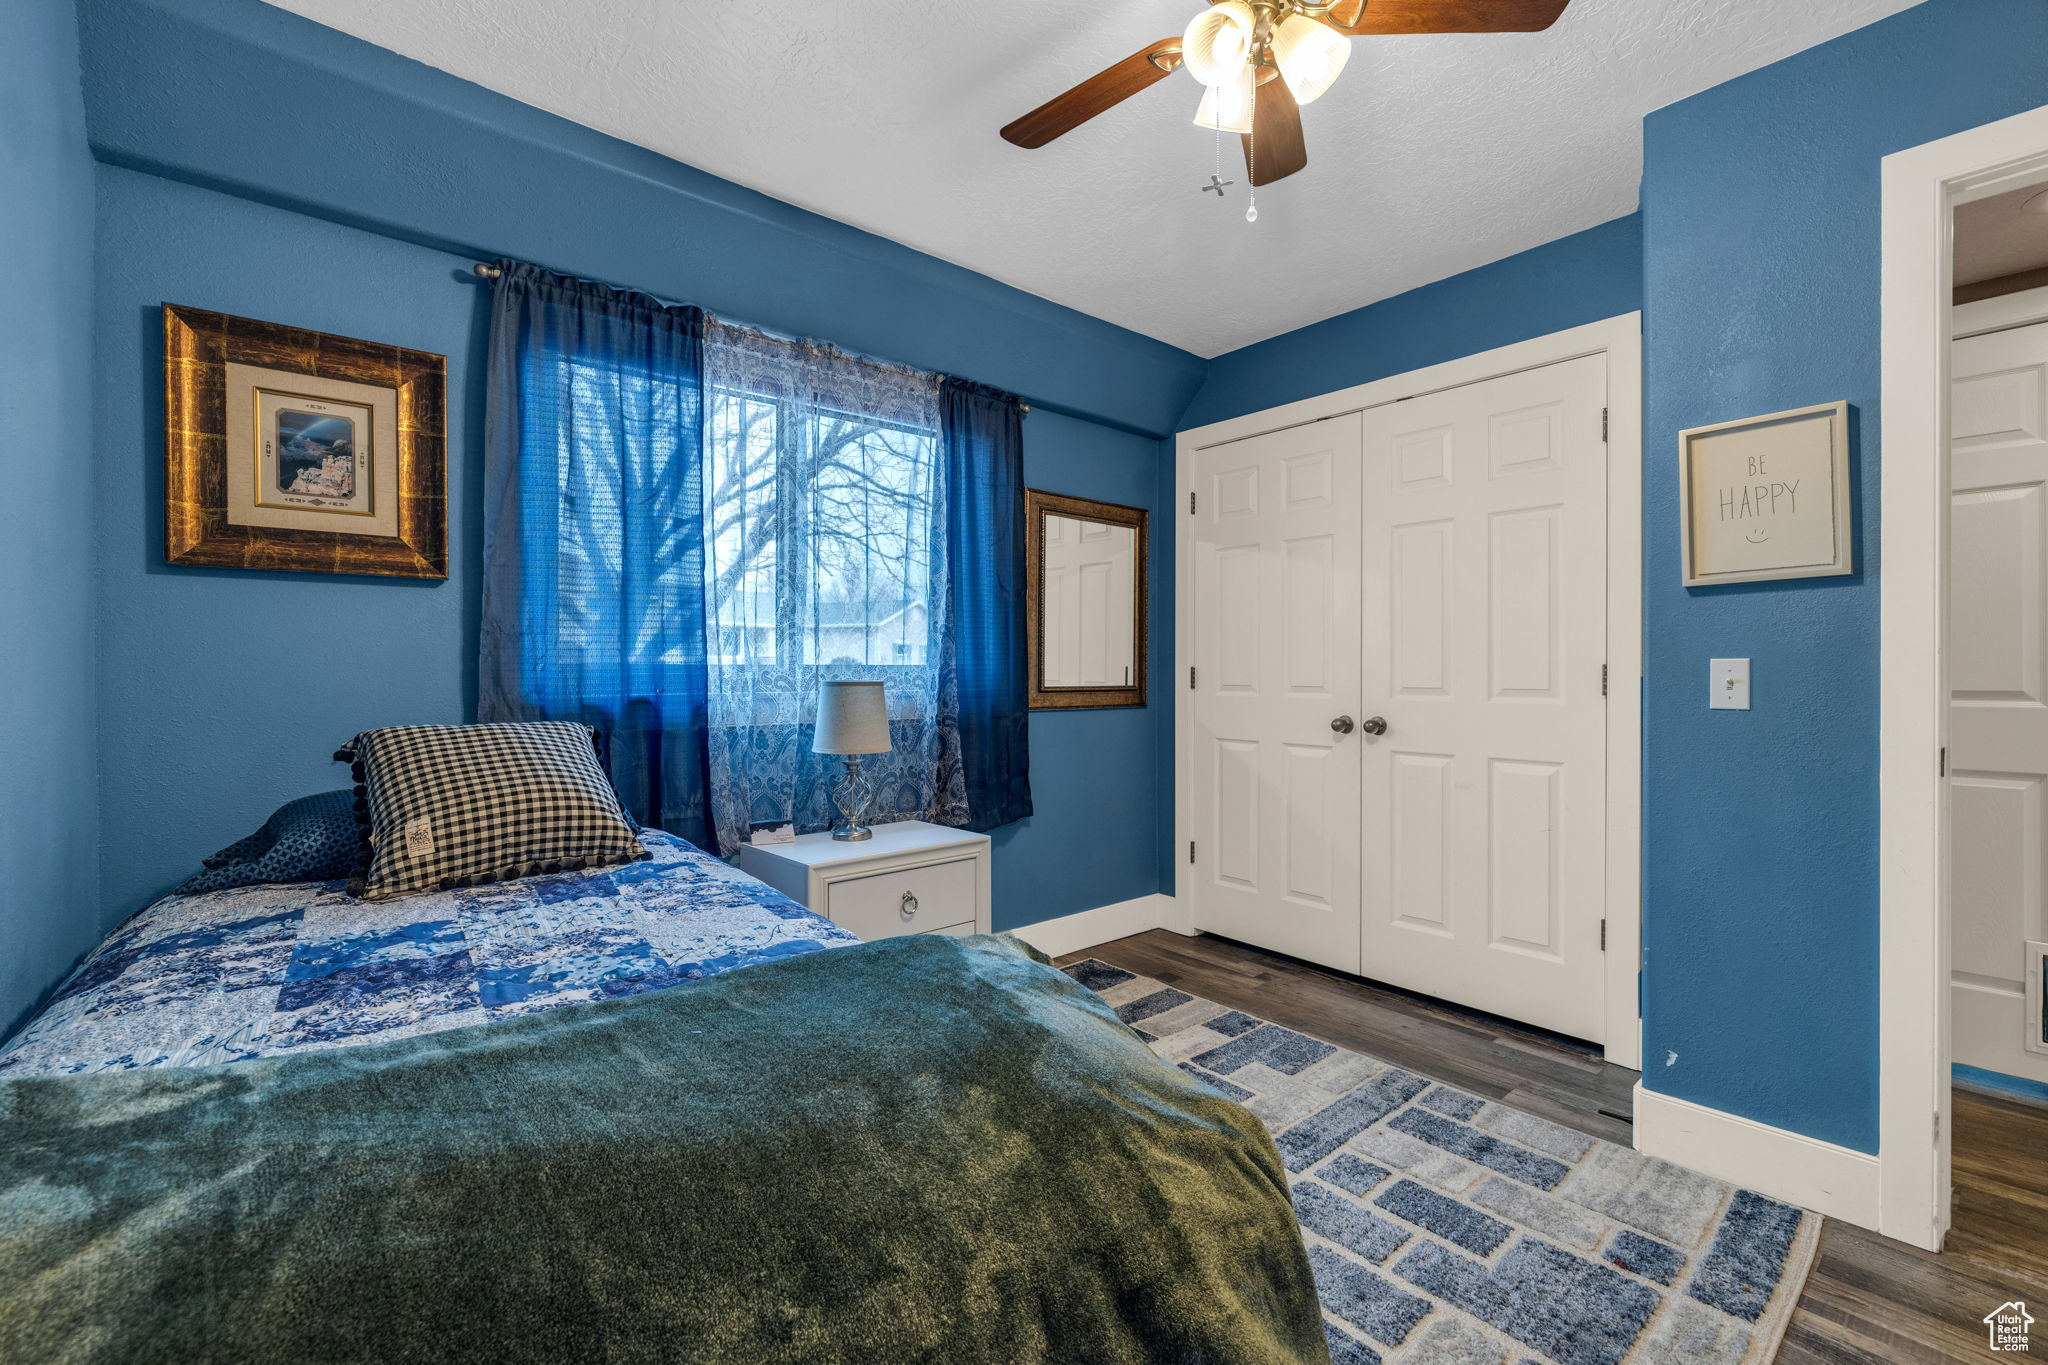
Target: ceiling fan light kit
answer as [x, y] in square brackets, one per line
[1261, 60]
[1219, 41]
[1227, 106]
[1310, 56]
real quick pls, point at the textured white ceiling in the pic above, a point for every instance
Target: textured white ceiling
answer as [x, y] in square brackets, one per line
[1429, 157]
[2003, 235]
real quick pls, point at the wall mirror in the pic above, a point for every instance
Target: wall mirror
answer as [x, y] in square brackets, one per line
[1085, 561]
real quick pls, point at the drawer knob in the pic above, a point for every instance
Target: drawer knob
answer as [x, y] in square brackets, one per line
[909, 905]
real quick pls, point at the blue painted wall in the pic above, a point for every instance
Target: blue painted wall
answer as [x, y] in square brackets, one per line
[224, 692]
[1578, 279]
[49, 903]
[1761, 213]
[1101, 793]
[192, 89]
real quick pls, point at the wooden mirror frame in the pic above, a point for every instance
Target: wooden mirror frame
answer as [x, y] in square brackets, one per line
[1037, 507]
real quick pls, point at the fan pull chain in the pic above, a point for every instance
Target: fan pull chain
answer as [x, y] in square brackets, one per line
[1216, 115]
[1251, 160]
[1216, 180]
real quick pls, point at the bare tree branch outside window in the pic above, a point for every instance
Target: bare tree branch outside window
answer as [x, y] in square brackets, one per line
[819, 528]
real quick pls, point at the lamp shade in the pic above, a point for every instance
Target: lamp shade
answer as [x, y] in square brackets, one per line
[1218, 40]
[1309, 55]
[853, 718]
[1228, 107]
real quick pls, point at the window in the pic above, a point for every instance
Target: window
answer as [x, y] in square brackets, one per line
[819, 531]
[693, 524]
[602, 566]
[820, 534]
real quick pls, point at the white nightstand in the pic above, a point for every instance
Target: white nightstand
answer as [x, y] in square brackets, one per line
[911, 878]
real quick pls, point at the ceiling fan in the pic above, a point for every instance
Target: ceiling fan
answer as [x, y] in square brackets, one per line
[1261, 60]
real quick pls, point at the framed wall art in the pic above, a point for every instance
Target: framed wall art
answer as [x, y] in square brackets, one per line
[1766, 497]
[291, 449]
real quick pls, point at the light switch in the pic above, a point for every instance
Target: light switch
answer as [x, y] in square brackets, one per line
[1730, 683]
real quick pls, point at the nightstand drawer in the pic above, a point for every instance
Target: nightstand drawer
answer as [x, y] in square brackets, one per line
[914, 900]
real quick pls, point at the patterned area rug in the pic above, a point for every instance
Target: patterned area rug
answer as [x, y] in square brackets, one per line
[1454, 1230]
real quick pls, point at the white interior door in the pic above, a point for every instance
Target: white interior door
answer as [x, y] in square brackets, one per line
[1485, 603]
[1998, 705]
[1274, 788]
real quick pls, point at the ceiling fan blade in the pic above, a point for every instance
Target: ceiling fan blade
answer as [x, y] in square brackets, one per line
[1372, 17]
[1104, 90]
[1274, 150]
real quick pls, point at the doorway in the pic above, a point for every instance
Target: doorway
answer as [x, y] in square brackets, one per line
[1998, 640]
[1958, 800]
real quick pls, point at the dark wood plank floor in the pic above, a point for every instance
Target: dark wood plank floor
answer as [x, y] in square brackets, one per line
[1867, 1300]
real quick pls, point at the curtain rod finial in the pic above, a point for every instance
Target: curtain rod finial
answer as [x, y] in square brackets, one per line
[489, 272]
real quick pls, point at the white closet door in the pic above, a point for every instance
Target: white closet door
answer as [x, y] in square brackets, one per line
[1485, 535]
[1276, 643]
[1998, 675]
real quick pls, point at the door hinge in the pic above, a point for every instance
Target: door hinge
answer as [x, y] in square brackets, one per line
[1191, 850]
[1603, 935]
[1603, 680]
[1191, 502]
[1603, 426]
[1937, 1127]
[1944, 762]
[1191, 677]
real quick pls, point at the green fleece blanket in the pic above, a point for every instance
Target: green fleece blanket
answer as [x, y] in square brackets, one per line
[922, 1149]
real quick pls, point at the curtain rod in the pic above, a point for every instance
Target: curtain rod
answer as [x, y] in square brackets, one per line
[491, 272]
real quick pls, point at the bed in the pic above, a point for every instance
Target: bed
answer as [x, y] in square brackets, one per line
[654, 1111]
[265, 971]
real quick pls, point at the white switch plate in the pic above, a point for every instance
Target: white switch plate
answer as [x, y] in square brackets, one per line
[1729, 680]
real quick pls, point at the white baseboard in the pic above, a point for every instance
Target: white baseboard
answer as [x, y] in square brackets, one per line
[1816, 1175]
[1072, 933]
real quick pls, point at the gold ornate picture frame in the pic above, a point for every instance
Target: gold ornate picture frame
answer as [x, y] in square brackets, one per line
[291, 449]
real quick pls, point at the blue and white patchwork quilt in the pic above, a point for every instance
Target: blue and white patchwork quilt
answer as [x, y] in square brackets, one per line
[260, 971]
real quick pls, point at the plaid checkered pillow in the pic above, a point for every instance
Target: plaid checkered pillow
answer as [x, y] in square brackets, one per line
[462, 805]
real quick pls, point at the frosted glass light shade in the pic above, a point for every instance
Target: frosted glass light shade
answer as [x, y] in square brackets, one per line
[1218, 40]
[1309, 55]
[1235, 100]
[853, 718]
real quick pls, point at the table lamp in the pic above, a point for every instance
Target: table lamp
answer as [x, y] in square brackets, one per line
[853, 719]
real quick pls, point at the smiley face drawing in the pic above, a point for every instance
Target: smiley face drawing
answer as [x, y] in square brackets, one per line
[1756, 536]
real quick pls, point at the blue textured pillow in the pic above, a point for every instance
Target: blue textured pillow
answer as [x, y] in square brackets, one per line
[312, 839]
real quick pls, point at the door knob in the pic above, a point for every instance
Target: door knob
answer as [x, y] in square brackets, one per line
[1342, 725]
[1377, 725]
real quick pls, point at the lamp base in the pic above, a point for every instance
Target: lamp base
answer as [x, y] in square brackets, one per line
[852, 795]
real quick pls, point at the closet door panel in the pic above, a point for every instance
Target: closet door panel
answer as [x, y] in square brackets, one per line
[1483, 840]
[1276, 629]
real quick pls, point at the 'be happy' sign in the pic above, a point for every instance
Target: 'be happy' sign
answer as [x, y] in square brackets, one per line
[1766, 497]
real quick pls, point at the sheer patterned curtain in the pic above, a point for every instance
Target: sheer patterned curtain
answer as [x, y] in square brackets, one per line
[826, 539]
